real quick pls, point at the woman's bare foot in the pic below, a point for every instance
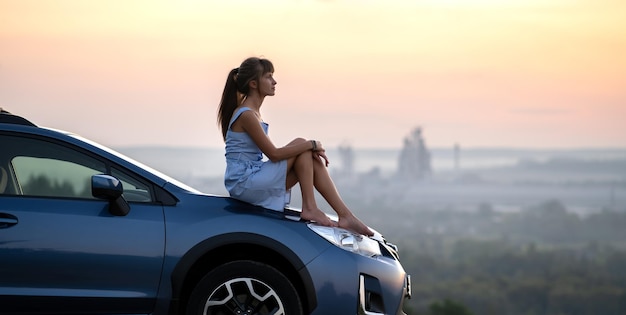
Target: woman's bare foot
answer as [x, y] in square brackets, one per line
[353, 224]
[318, 216]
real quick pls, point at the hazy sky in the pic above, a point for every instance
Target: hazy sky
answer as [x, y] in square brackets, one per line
[480, 73]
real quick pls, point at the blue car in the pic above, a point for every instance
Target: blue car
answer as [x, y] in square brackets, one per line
[84, 229]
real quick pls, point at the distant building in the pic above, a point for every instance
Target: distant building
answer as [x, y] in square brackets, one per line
[457, 158]
[347, 159]
[414, 160]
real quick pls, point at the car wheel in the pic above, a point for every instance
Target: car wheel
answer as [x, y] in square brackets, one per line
[244, 287]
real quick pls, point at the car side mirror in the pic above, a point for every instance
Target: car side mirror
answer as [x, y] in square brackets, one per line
[110, 188]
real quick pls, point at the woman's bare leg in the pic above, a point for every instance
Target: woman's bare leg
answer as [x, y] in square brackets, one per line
[303, 169]
[325, 185]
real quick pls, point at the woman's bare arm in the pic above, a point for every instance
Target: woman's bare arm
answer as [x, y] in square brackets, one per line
[251, 125]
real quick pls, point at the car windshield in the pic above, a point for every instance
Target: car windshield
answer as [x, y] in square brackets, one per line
[131, 160]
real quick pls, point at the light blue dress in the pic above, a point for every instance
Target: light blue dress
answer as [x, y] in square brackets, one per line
[251, 178]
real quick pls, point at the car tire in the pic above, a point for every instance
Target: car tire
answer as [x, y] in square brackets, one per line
[244, 287]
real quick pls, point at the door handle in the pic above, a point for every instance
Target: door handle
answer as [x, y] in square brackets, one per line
[7, 220]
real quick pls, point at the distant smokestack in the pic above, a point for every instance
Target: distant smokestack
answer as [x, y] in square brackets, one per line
[457, 158]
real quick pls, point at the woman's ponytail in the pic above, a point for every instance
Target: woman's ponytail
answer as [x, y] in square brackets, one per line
[230, 101]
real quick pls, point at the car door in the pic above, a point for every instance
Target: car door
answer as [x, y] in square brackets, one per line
[61, 250]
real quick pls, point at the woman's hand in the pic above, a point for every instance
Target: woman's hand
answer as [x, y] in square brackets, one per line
[320, 153]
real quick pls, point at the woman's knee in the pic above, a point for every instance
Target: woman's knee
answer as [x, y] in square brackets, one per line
[304, 156]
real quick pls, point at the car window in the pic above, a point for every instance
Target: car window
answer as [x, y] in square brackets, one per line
[53, 178]
[134, 189]
[41, 168]
[35, 167]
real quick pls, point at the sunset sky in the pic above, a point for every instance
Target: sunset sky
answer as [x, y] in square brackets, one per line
[480, 73]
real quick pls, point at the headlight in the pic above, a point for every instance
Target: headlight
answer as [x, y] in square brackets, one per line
[347, 240]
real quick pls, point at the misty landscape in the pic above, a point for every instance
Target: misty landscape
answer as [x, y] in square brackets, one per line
[481, 230]
[525, 215]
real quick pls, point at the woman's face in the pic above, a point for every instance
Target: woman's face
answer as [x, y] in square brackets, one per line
[267, 84]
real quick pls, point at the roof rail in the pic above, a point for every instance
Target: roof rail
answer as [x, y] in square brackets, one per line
[8, 118]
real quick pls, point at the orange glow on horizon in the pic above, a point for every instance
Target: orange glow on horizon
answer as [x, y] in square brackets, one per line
[473, 71]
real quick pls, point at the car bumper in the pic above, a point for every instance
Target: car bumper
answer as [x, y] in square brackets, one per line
[359, 285]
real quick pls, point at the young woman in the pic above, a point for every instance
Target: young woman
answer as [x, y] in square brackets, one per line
[268, 182]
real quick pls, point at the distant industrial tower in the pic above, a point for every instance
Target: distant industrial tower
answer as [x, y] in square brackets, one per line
[457, 158]
[414, 161]
[347, 159]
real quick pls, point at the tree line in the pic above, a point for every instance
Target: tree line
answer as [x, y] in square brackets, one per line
[544, 260]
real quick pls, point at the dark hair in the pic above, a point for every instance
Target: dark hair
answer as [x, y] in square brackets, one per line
[237, 87]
